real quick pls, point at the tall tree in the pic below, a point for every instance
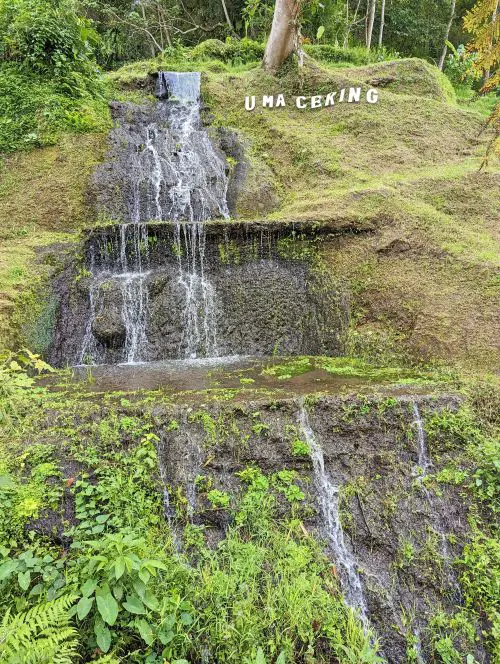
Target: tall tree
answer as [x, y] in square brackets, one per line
[284, 38]
[370, 20]
[483, 23]
[382, 24]
[447, 34]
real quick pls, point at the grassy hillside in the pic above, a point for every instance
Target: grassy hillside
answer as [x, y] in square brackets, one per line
[424, 279]
[87, 522]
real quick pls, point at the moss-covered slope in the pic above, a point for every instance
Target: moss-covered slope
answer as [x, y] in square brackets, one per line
[423, 281]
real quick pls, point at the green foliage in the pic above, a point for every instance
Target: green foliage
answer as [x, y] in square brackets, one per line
[34, 111]
[259, 428]
[48, 78]
[34, 570]
[117, 581]
[218, 499]
[455, 430]
[480, 580]
[241, 51]
[268, 593]
[459, 66]
[451, 634]
[134, 595]
[17, 388]
[48, 38]
[41, 635]
[300, 448]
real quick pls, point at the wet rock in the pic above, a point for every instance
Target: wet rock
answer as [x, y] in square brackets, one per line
[161, 165]
[108, 325]
[251, 190]
[268, 296]
[369, 444]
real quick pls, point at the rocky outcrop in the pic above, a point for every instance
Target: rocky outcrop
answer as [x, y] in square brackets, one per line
[269, 293]
[403, 537]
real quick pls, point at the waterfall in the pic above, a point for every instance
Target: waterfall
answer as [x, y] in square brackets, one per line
[424, 462]
[135, 304]
[200, 323]
[328, 496]
[130, 281]
[166, 169]
[184, 86]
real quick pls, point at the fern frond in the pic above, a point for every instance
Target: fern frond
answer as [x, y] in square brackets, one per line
[41, 635]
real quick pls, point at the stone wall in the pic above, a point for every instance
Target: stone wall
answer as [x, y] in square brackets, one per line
[271, 294]
[403, 536]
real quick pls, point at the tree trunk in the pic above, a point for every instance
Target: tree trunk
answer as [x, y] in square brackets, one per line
[382, 24]
[285, 34]
[493, 20]
[447, 34]
[226, 14]
[151, 46]
[370, 20]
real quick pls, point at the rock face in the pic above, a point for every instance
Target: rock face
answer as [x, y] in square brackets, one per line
[402, 536]
[161, 165]
[217, 290]
[108, 326]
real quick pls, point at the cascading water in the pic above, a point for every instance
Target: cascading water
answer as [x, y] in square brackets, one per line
[424, 463]
[166, 169]
[328, 496]
[200, 332]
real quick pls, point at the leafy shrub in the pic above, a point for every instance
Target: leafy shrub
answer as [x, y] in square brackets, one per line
[16, 386]
[210, 48]
[48, 38]
[49, 81]
[459, 66]
[218, 499]
[35, 110]
[450, 430]
[481, 580]
[300, 448]
[117, 581]
[243, 51]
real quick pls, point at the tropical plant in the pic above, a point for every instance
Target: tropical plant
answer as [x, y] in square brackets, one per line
[42, 635]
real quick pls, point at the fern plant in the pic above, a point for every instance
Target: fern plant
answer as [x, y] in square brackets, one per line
[41, 635]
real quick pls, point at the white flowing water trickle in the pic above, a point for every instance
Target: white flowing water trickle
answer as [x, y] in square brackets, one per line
[328, 496]
[134, 313]
[200, 313]
[424, 462]
[132, 285]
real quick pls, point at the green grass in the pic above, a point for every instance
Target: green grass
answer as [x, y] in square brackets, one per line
[35, 111]
[403, 169]
[135, 593]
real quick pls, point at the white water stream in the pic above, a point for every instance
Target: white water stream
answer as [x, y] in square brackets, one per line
[328, 497]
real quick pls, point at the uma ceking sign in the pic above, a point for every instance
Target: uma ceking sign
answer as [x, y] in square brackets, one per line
[344, 95]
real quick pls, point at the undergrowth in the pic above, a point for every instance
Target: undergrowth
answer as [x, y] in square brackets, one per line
[35, 111]
[84, 544]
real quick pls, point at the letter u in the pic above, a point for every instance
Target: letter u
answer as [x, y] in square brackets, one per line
[250, 103]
